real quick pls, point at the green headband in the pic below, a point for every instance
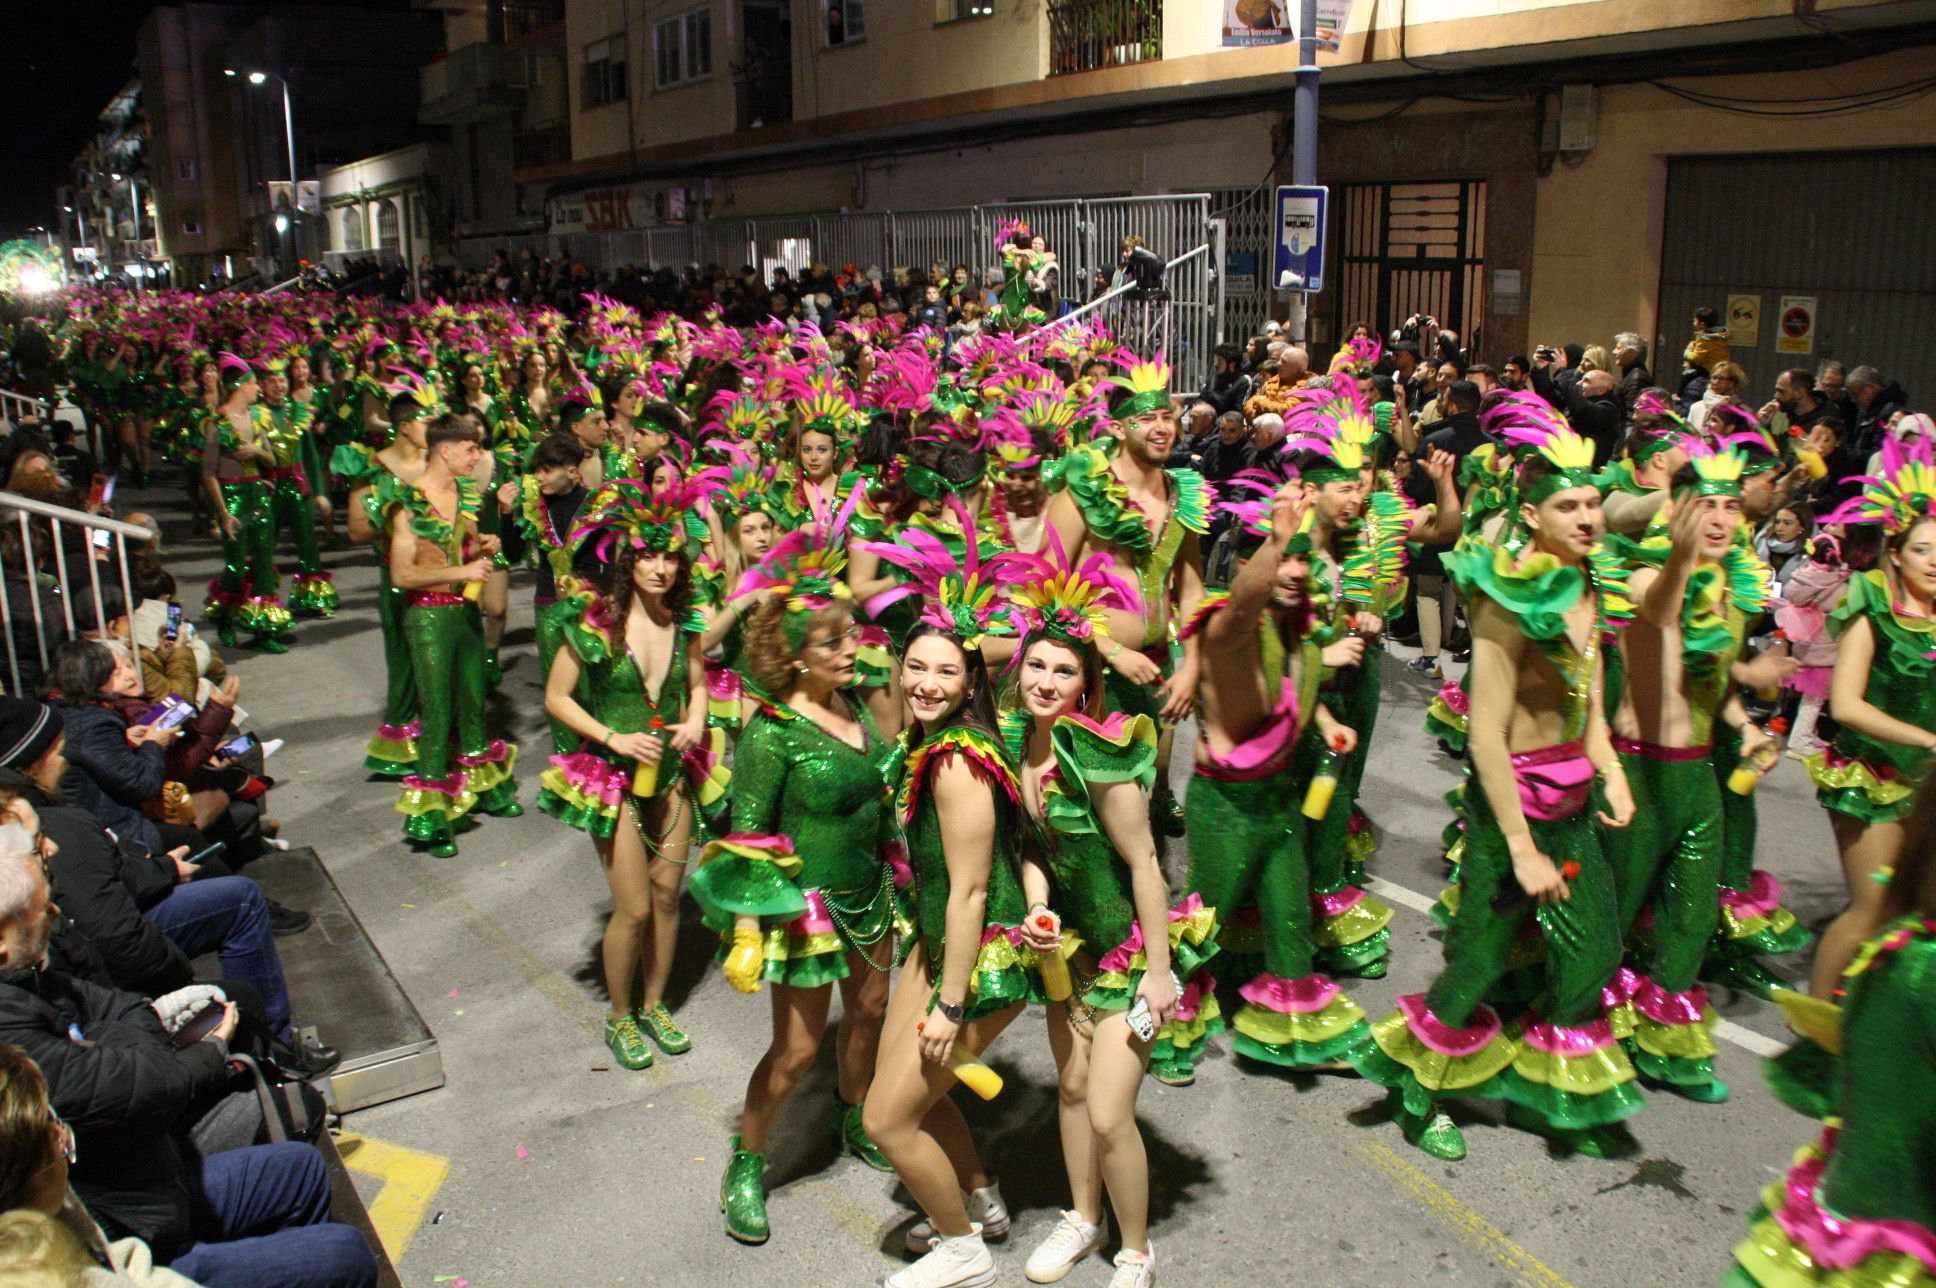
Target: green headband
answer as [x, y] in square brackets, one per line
[1136, 405]
[931, 485]
[1710, 487]
[1558, 481]
[1646, 451]
[1329, 474]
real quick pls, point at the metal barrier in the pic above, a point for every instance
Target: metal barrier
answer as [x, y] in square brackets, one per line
[21, 570]
[1086, 236]
[18, 405]
[1177, 326]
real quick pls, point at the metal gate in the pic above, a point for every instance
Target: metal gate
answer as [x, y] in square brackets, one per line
[1406, 248]
[1831, 227]
[1250, 245]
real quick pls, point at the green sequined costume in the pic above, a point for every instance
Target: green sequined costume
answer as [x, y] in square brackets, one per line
[1091, 883]
[312, 591]
[244, 595]
[460, 767]
[1864, 777]
[1858, 1210]
[1752, 921]
[586, 787]
[551, 614]
[1562, 1061]
[392, 750]
[1005, 972]
[813, 847]
[1247, 860]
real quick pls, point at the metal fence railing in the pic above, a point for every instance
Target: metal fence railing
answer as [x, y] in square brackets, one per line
[1086, 236]
[54, 563]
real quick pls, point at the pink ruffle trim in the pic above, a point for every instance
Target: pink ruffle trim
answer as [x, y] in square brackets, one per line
[491, 755]
[1118, 958]
[723, 682]
[593, 777]
[1812, 681]
[400, 733]
[1190, 1003]
[1456, 700]
[1663, 1007]
[1442, 1037]
[452, 786]
[1290, 996]
[1571, 1043]
[814, 921]
[1844, 1243]
[1337, 903]
[1762, 896]
[1620, 989]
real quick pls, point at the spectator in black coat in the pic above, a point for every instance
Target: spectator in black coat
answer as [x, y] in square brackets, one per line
[113, 766]
[1630, 355]
[1228, 386]
[1457, 434]
[1877, 401]
[1588, 401]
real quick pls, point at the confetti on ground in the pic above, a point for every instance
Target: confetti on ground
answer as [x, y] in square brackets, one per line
[453, 992]
[459, 1011]
[409, 905]
[523, 1152]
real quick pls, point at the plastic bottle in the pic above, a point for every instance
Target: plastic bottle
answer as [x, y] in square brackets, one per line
[975, 1075]
[1811, 460]
[1750, 770]
[1053, 967]
[645, 778]
[1772, 692]
[1324, 782]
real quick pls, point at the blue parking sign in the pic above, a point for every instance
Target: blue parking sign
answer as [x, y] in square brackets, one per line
[1301, 226]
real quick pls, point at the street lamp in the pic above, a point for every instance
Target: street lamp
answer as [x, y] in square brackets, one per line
[288, 119]
[282, 224]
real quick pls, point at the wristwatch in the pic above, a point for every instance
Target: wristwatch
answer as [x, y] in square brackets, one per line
[954, 1013]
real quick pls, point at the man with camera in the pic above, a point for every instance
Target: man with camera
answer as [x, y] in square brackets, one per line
[1590, 401]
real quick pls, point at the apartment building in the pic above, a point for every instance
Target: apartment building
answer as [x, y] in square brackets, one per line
[1523, 169]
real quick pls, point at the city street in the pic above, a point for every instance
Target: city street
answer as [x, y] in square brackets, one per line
[564, 1169]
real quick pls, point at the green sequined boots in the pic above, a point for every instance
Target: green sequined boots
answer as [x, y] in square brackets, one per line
[853, 1139]
[742, 1195]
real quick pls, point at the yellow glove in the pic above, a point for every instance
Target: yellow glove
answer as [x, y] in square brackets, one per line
[745, 959]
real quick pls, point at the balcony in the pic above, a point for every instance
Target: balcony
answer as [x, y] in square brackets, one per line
[1085, 35]
[540, 147]
[469, 85]
[523, 17]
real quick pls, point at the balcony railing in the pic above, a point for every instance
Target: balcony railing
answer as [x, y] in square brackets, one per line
[1087, 34]
[540, 147]
[522, 17]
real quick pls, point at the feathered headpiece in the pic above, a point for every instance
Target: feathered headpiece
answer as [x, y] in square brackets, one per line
[235, 371]
[1005, 235]
[628, 510]
[1762, 453]
[744, 418]
[963, 596]
[739, 487]
[1148, 385]
[1055, 601]
[1245, 498]
[1717, 467]
[577, 402]
[1359, 355]
[1529, 421]
[421, 392]
[804, 570]
[1900, 497]
[1337, 423]
[823, 402]
[1647, 441]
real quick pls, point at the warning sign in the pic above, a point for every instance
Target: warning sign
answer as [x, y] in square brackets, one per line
[1744, 321]
[1797, 325]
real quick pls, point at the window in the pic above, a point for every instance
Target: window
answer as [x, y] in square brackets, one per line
[191, 227]
[846, 22]
[958, 10]
[603, 78]
[185, 169]
[683, 48]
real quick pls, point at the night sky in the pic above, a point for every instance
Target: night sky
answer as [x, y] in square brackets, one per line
[60, 60]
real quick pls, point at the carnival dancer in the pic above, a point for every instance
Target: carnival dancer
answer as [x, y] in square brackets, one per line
[376, 479]
[745, 517]
[803, 889]
[1145, 520]
[1883, 696]
[1695, 592]
[630, 684]
[1859, 1208]
[312, 590]
[581, 414]
[306, 394]
[435, 554]
[1538, 736]
[972, 965]
[1637, 486]
[1357, 558]
[1261, 668]
[236, 460]
[1083, 775]
[545, 505]
[1752, 922]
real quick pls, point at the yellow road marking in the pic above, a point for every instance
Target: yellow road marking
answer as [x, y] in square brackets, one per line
[1444, 1205]
[411, 1179]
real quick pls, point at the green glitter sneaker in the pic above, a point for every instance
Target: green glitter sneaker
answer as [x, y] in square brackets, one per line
[658, 1025]
[627, 1043]
[742, 1195]
[853, 1139]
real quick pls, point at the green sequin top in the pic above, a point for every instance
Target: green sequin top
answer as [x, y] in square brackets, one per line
[1111, 516]
[1902, 676]
[1005, 904]
[793, 778]
[1092, 882]
[1884, 1165]
[611, 686]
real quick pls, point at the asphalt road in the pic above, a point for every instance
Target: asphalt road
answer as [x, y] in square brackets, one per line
[564, 1169]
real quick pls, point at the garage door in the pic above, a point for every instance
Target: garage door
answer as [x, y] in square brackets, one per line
[1847, 230]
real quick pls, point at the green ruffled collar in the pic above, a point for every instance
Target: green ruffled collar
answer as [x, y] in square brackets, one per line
[1113, 517]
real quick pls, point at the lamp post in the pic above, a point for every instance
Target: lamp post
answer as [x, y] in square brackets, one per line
[259, 77]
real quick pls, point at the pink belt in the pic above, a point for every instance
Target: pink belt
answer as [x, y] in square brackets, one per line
[1654, 751]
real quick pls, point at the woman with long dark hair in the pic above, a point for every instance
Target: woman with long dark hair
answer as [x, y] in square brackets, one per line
[631, 682]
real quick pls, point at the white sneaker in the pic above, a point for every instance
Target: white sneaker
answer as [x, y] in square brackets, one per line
[1072, 1239]
[1135, 1269]
[953, 1263]
[271, 747]
[985, 1208]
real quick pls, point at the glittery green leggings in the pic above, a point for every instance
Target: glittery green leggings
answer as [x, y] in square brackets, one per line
[446, 643]
[1245, 852]
[1669, 858]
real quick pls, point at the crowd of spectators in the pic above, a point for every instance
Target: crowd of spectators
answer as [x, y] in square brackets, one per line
[153, 1116]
